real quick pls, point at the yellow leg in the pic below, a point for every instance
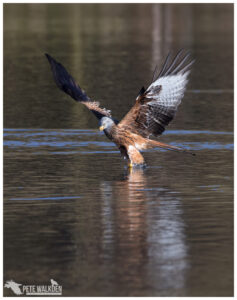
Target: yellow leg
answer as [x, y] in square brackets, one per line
[135, 157]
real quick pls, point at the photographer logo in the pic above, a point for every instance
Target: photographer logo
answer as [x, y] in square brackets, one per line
[54, 289]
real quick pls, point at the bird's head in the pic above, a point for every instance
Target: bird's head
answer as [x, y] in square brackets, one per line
[106, 124]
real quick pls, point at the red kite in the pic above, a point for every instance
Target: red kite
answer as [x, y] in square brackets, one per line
[154, 108]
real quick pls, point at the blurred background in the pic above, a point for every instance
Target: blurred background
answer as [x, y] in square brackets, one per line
[72, 212]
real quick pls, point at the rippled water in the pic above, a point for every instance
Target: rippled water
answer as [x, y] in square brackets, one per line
[72, 210]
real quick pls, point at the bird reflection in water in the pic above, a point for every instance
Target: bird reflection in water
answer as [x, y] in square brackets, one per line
[125, 229]
[143, 234]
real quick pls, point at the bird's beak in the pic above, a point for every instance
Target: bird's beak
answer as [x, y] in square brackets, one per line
[101, 128]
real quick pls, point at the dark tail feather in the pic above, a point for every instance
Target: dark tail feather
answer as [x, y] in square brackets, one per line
[65, 81]
[153, 144]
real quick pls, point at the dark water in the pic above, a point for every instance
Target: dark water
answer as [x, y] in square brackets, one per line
[72, 210]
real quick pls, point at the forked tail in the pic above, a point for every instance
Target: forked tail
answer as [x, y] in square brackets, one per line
[153, 144]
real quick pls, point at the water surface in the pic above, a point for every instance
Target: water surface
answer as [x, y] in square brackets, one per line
[72, 211]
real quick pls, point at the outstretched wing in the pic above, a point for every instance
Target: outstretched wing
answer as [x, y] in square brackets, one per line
[68, 85]
[156, 106]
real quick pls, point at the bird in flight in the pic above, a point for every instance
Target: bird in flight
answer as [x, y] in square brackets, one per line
[154, 107]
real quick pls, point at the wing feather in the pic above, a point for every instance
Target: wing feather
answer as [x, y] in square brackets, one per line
[67, 84]
[156, 107]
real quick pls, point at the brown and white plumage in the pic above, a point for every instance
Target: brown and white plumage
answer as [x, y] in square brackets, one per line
[154, 108]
